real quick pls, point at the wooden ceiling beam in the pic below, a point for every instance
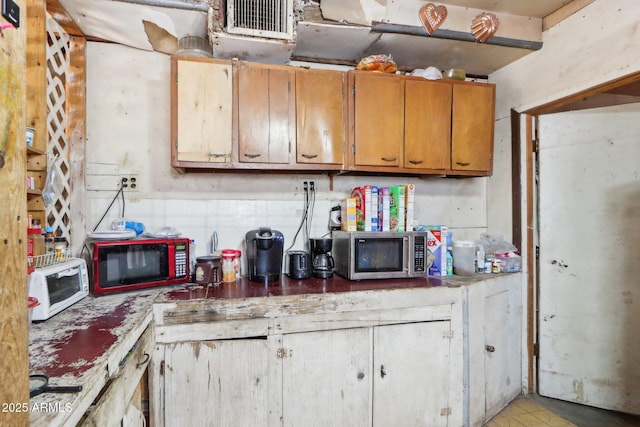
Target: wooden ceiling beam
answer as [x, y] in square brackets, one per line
[563, 13]
[57, 12]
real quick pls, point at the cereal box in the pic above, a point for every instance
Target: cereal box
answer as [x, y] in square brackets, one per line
[384, 204]
[374, 208]
[410, 196]
[348, 214]
[364, 208]
[437, 245]
[396, 208]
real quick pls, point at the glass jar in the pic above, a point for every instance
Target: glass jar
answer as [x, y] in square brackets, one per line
[228, 265]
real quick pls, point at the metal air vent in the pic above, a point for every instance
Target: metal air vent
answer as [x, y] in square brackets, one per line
[261, 18]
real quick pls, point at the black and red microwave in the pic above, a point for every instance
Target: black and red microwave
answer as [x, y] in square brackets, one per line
[126, 265]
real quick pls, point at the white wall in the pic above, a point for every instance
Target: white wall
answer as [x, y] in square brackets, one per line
[128, 131]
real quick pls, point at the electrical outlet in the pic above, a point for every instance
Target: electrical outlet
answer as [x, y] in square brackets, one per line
[11, 12]
[308, 184]
[130, 182]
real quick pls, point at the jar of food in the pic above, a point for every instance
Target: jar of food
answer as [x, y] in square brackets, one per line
[59, 246]
[228, 265]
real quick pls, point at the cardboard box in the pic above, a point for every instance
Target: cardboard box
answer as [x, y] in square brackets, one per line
[365, 211]
[396, 208]
[410, 192]
[384, 205]
[348, 214]
[437, 245]
[375, 226]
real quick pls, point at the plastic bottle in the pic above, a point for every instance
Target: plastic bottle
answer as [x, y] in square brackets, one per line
[449, 254]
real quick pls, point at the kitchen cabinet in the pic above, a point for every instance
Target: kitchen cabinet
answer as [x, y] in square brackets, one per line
[427, 134]
[344, 359]
[321, 117]
[472, 128]
[224, 382]
[201, 114]
[266, 113]
[377, 120]
[495, 345]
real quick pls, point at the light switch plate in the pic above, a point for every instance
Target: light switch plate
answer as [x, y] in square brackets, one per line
[11, 12]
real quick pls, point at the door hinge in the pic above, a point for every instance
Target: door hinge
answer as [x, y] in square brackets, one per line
[445, 412]
[536, 146]
[283, 352]
[162, 368]
[536, 349]
[537, 252]
[447, 334]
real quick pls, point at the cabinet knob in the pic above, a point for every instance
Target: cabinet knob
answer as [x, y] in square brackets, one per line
[309, 156]
[251, 156]
[383, 371]
[360, 375]
[490, 348]
[388, 159]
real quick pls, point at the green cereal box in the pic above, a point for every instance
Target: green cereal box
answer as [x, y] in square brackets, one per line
[396, 208]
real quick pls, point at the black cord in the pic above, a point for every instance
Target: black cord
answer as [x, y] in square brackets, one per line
[304, 218]
[120, 191]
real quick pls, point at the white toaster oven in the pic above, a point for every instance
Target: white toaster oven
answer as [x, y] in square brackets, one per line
[58, 286]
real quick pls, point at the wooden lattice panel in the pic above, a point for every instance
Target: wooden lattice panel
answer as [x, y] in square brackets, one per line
[58, 212]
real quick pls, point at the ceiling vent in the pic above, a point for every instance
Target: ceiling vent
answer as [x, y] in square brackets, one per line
[261, 18]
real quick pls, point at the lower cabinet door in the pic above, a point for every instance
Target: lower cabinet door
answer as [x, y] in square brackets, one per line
[326, 378]
[411, 374]
[216, 383]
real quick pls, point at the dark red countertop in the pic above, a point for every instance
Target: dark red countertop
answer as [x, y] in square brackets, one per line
[244, 288]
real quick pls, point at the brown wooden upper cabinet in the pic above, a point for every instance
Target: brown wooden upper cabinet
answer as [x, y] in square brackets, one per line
[427, 130]
[201, 113]
[473, 117]
[321, 117]
[377, 114]
[266, 112]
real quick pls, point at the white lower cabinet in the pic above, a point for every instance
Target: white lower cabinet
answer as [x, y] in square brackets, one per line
[216, 383]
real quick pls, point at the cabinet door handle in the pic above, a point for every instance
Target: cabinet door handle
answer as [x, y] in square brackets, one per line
[309, 156]
[144, 360]
[463, 163]
[388, 159]
[251, 156]
[490, 348]
[383, 371]
[415, 162]
[360, 375]
[217, 155]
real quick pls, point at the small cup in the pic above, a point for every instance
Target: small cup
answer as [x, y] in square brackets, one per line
[30, 133]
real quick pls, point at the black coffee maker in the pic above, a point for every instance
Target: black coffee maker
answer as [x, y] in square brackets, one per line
[321, 259]
[264, 248]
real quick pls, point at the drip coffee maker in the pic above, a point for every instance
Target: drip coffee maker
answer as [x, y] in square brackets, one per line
[321, 259]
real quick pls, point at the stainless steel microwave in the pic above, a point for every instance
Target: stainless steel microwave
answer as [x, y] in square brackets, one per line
[380, 255]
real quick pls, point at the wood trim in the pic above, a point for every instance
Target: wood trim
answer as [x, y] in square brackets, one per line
[562, 103]
[76, 110]
[516, 181]
[57, 12]
[531, 255]
[563, 13]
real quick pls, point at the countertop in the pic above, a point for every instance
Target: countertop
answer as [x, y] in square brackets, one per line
[86, 343]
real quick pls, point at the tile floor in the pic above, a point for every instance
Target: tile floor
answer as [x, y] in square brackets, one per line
[537, 411]
[524, 412]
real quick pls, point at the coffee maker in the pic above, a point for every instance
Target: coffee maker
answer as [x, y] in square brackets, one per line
[264, 248]
[321, 259]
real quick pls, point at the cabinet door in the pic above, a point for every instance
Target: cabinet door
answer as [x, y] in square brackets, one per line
[502, 361]
[378, 119]
[427, 125]
[326, 378]
[411, 374]
[217, 383]
[320, 116]
[472, 127]
[266, 113]
[202, 111]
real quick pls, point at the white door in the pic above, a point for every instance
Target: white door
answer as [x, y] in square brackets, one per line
[589, 274]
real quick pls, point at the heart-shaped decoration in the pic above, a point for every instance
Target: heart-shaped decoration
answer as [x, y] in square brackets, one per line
[432, 16]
